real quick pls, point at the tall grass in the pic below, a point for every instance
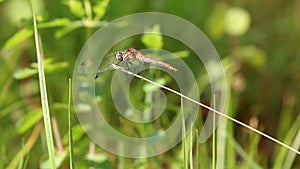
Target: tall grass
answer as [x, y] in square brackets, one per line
[44, 98]
[115, 67]
[26, 148]
[226, 152]
[71, 150]
[213, 161]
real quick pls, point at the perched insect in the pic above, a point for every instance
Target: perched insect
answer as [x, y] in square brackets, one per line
[127, 58]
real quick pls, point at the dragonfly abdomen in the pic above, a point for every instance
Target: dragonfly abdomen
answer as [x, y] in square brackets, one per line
[157, 62]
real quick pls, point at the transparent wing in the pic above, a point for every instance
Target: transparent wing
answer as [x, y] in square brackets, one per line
[95, 66]
[131, 65]
[106, 63]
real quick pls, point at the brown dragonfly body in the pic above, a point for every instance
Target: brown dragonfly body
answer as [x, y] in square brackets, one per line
[131, 53]
[125, 57]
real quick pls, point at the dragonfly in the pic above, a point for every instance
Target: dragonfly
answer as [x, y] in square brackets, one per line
[127, 59]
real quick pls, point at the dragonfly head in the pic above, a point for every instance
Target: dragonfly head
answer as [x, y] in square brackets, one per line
[119, 56]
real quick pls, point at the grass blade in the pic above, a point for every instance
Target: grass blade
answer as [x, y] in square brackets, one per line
[191, 147]
[214, 138]
[44, 99]
[27, 147]
[231, 110]
[70, 127]
[118, 68]
[242, 153]
[184, 141]
[291, 156]
[281, 155]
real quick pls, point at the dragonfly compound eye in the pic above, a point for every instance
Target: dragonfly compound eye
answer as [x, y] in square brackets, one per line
[119, 56]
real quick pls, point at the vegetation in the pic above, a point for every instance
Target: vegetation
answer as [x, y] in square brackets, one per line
[258, 45]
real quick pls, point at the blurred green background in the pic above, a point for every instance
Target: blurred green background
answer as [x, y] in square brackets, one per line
[258, 43]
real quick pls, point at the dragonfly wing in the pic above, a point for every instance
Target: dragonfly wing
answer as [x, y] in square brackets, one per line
[95, 66]
[106, 63]
[87, 67]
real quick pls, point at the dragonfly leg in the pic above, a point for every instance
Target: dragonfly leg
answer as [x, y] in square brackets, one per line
[102, 71]
[132, 65]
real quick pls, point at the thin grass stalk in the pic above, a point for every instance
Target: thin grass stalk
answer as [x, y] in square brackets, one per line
[197, 165]
[184, 142]
[191, 147]
[70, 127]
[214, 138]
[115, 67]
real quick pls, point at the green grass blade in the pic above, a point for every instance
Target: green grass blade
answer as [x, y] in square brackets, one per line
[288, 139]
[202, 155]
[184, 141]
[221, 145]
[26, 161]
[231, 109]
[242, 153]
[44, 99]
[21, 162]
[196, 148]
[254, 141]
[70, 127]
[291, 156]
[17, 38]
[191, 147]
[27, 147]
[214, 138]
[121, 162]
